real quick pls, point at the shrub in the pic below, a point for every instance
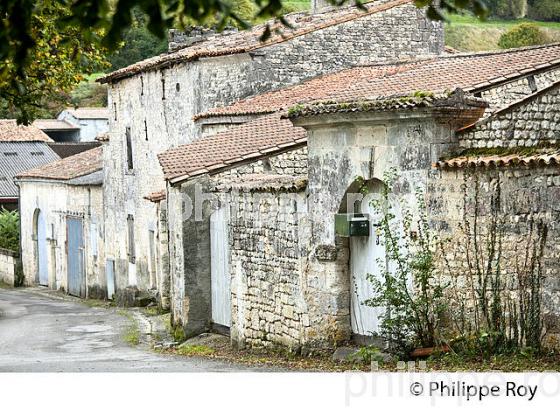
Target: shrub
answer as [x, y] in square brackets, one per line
[9, 230]
[523, 35]
[545, 10]
[410, 290]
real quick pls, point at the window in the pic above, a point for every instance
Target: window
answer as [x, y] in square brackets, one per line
[162, 86]
[146, 129]
[115, 110]
[37, 153]
[131, 247]
[177, 87]
[129, 160]
[141, 85]
[10, 154]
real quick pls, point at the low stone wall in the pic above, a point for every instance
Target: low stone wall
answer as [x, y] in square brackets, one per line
[9, 264]
[462, 208]
[269, 305]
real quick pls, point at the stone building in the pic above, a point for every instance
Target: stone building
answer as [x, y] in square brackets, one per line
[63, 228]
[153, 102]
[251, 209]
[81, 124]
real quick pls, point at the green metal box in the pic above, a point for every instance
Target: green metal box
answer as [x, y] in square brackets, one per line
[351, 224]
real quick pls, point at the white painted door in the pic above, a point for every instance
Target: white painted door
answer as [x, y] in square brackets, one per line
[364, 255]
[220, 278]
[42, 249]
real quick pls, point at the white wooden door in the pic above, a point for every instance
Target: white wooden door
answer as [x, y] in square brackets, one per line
[364, 255]
[220, 278]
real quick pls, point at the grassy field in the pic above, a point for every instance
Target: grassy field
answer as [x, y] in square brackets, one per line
[297, 5]
[466, 33]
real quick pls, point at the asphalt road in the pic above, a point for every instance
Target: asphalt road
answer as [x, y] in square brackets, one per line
[39, 334]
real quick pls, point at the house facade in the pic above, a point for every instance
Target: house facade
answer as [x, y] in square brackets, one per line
[75, 125]
[153, 103]
[63, 228]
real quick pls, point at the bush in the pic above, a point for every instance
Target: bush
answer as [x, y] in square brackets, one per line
[523, 35]
[411, 292]
[9, 230]
[545, 10]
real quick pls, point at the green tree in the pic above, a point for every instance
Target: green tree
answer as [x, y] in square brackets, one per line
[56, 57]
[9, 230]
[547, 10]
[138, 44]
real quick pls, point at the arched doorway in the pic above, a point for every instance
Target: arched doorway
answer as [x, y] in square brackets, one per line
[40, 236]
[367, 257]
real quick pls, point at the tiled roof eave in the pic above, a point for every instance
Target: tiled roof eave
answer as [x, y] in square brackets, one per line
[497, 161]
[178, 178]
[187, 54]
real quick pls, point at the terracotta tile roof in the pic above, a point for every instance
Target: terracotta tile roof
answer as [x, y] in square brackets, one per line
[89, 113]
[537, 159]
[249, 40]
[156, 196]
[54, 125]
[471, 72]
[456, 101]
[11, 132]
[68, 168]
[248, 141]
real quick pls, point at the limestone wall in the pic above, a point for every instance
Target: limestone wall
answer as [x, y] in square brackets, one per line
[504, 95]
[268, 251]
[529, 123]
[9, 262]
[526, 194]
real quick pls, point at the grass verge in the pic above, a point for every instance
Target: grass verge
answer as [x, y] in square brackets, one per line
[449, 362]
[132, 332]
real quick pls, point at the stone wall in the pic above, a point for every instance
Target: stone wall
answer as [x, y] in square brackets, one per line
[532, 121]
[9, 263]
[526, 194]
[290, 163]
[506, 94]
[268, 251]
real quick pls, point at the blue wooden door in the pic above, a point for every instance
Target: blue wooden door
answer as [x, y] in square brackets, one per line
[42, 249]
[76, 274]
